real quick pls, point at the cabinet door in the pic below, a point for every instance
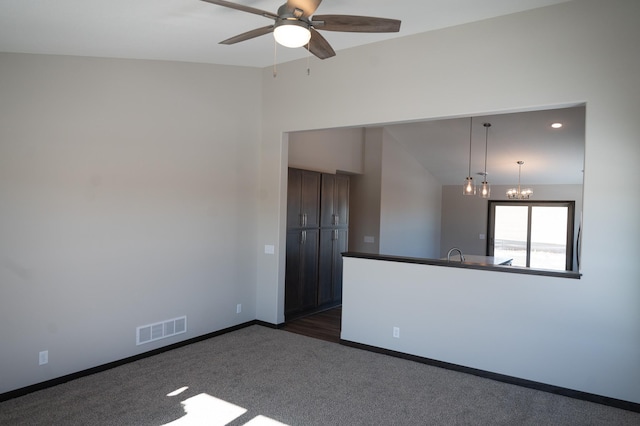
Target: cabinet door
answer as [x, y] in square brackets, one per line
[294, 191]
[303, 199]
[333, 242]
[327, 200]
[341, 204]
[341, 245]
[325, 267]
[301, 270]
[335, 200]
[309, 260]
[292, 287]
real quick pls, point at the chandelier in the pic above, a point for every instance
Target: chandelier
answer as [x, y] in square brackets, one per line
[518, 193]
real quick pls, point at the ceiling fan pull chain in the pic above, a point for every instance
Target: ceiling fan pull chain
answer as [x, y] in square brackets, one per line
[308, 56]
[275, 60]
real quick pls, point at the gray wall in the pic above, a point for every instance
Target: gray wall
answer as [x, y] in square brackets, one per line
[574, 52]
[364, 197]
[328, 151]
[410, 204]
[128, 196]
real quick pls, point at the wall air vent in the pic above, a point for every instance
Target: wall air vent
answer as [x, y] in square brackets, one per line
[160, 330]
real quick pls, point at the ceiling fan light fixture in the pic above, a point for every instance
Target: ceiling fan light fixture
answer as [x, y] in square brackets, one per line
[292, 33]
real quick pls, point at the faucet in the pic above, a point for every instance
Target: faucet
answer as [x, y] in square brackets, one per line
[451, 251]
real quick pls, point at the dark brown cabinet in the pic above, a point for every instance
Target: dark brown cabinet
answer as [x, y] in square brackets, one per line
[334, 201]
[317, 235]
[301, 276]
[303, 199]
[333, 242]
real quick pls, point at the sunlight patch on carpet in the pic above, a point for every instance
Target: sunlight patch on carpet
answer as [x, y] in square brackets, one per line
[263, 421]
[178, 391]
[204, 409]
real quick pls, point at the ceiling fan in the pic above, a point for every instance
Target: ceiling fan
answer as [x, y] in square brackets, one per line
[294, 26]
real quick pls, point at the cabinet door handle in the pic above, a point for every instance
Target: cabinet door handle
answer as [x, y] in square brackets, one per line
[303, 237]
[336, 219]
[304, 219]
[335, 235]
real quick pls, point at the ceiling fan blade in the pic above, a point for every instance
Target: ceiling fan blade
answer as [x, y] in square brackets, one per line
[319, 46]
[306, 6]
[355, 24]
[243, 8]
[248, 35]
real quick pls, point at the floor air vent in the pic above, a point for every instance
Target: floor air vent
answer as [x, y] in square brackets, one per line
[160, 330]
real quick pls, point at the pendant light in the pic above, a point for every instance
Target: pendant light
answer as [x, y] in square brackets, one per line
[469, 187]
[485, 188]
[518, 193]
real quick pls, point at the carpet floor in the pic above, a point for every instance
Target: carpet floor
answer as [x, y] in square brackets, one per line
[261, 376]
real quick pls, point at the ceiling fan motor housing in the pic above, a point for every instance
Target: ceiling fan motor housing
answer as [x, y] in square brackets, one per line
[286, 12]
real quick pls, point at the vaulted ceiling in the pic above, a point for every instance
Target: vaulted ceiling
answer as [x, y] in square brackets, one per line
[190, 30]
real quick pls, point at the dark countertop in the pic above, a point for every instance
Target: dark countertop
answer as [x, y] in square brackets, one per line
[481, 260]
[465, 265]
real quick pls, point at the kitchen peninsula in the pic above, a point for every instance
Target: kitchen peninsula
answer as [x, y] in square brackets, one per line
[463, 315]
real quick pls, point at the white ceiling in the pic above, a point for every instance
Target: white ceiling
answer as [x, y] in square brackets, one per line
[189, 30]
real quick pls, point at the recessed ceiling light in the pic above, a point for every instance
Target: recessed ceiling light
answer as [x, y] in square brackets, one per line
[556, 125]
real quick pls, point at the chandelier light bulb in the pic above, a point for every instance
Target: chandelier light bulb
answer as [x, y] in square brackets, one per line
[485, 190]
[469, 187]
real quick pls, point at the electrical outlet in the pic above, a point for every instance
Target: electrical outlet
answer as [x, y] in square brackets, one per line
[43, 357]
[238, 308]
[396, 332]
